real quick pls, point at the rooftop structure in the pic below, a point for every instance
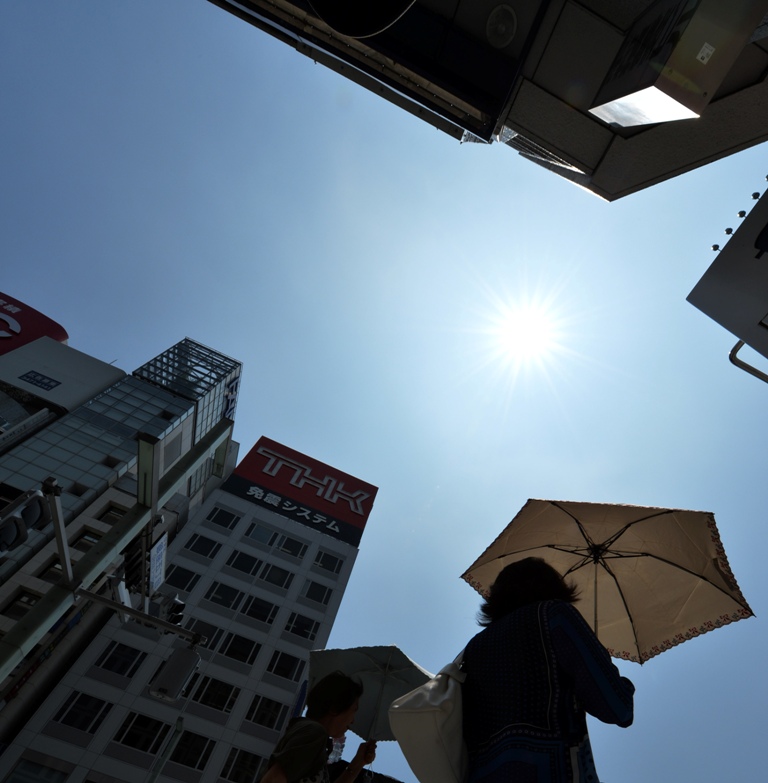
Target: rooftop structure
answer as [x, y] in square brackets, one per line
[582, 88]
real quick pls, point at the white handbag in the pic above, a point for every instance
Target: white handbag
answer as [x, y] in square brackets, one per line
[427, 723]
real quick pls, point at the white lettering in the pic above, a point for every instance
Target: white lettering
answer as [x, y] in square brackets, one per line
[328, 487]
[13, 325]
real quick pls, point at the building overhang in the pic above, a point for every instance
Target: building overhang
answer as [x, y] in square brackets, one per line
[531, 75]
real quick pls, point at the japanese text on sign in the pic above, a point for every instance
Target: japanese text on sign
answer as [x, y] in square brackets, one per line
[299, 512]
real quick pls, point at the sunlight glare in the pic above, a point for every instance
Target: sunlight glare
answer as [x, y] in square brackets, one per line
[527, 332]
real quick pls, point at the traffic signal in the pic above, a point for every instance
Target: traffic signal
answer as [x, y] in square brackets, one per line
[174, 610]
[135, 565]
[174, 675]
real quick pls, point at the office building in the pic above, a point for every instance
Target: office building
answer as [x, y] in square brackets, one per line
[260, 568]
[137, 474]
[612, 95]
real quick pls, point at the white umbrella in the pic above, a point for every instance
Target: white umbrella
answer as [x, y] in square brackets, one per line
[385, 673]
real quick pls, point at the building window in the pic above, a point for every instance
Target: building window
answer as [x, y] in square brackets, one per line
[240, 648]
[224, 595]
[267, 712]
[264, 535]
[328, 562]
[259, 609]
[284, 665]
[52, 572]
[216, 694]
[193, 750]
[271, 538]
[274, 575]
[203, 546]
[317, 592]
[242, 766]
[27, 771]
[225, 519]
[20, 604]
[305, 627]
[244, 562]
[121, 659]
[111, 514]
[182, 578]
[83, 712]
[142, 733]
[171, 450]
[85, 540]
[292, 547]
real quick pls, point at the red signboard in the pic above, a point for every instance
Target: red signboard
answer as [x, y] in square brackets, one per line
[301, 488]
[21, 324]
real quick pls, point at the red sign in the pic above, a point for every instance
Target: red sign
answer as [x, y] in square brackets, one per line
[301, 488]
[21, 324]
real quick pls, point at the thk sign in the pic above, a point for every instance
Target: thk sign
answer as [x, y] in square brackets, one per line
[21, 324]
[301, 488]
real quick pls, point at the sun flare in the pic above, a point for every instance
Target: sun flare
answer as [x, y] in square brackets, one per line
[527, 332]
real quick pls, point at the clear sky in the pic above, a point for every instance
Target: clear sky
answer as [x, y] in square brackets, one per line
[166, 170]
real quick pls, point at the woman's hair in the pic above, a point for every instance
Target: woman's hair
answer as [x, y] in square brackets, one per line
[332, 695]
[524, 582]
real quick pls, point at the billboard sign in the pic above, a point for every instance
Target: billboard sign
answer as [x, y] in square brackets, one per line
[301, 488]
[21, 324]
[157, 557]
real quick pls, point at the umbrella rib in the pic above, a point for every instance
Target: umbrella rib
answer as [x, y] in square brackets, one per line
[576, 520]
[739, 598]
[615, 537]
[626, 609]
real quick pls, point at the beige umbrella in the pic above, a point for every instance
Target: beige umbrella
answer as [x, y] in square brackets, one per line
[648, 578]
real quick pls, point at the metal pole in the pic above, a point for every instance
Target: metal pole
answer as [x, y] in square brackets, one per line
[157, 767]
[148, 480]
[52, 492]
[742, 365]
[595, 597]
[195, 638]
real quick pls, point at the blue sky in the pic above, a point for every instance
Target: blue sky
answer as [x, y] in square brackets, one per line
[169, 171]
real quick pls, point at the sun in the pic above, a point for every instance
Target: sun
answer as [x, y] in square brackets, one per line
[527, 332]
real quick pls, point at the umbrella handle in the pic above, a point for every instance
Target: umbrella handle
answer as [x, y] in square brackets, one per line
[595, 600]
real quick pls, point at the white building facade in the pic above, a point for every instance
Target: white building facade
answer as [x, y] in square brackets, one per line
[257, 556]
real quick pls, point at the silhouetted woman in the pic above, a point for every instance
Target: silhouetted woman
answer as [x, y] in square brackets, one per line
[532, 675]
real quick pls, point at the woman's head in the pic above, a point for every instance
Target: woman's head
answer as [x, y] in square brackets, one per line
[334, 694]
[524, 582]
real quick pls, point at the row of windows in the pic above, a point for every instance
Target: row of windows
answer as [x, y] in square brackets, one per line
[87, 713]
[125, 660]
[219, 593]
[241, 766]
[232, 598]
[268, 537]
[241, 648]
[232, 645]
[184, 579]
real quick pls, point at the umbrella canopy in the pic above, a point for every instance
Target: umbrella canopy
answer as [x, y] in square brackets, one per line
[648, 578]
[385, 674]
